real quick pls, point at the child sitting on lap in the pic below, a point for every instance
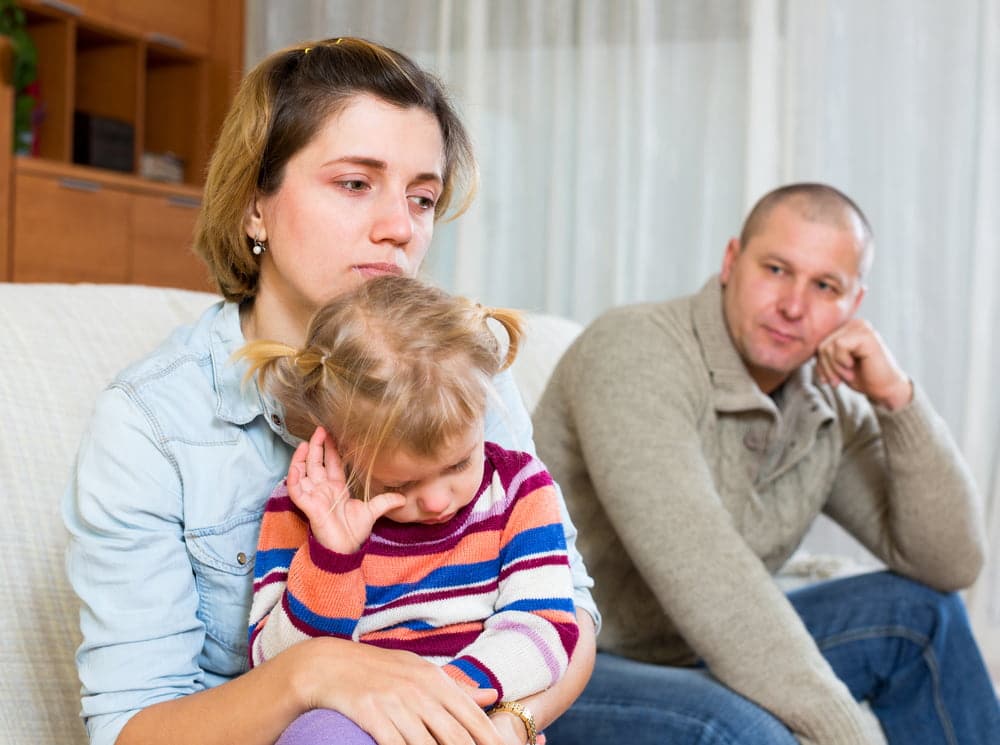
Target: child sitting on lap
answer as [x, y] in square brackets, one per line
[398, 525]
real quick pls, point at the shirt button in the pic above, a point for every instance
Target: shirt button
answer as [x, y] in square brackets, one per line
[241, 558]
[275, 420]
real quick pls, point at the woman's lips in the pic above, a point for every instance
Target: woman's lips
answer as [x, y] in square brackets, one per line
[377, 269]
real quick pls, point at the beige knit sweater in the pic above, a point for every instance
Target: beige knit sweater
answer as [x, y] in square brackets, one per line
[690, 487]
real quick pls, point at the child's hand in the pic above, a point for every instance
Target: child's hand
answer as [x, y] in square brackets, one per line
[317, 486]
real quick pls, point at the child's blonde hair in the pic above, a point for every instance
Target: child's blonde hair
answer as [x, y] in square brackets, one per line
[394, 363]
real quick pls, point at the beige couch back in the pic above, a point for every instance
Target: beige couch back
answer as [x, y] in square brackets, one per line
[61, 345]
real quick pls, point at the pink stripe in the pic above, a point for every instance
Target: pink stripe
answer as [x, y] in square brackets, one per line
[534, 562]
[555, 669]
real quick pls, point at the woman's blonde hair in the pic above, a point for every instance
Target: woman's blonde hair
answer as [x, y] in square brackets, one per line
[278, 109]
[394, 363]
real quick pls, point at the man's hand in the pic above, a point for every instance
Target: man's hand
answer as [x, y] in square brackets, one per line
[317, 486]
[855, 355]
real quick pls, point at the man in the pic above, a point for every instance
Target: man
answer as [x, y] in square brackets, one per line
[696, 441]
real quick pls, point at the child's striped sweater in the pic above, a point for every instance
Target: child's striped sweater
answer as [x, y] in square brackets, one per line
[488, 594]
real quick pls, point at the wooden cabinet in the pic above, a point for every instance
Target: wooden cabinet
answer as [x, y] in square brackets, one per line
[162, 226]
[68, 229]
[159, 71]
[77, 224]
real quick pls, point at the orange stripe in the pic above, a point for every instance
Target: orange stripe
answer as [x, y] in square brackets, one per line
[283, 530]
[397, 570]
[312, 586]
[404, 634]
[537, 508]
[460, 677]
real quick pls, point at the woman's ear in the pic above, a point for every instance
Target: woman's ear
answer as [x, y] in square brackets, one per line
[253, 223]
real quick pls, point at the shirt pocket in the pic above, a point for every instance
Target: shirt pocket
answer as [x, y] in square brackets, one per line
[223, 557]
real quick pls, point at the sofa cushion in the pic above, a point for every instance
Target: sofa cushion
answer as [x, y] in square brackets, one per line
[62, 345]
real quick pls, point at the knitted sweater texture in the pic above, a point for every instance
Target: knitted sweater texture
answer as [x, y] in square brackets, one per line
[690, 487]
[488, 594]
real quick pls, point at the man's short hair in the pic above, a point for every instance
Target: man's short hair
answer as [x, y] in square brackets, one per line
[815, 202]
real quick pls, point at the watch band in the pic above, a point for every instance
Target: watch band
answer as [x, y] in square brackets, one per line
[523, 713]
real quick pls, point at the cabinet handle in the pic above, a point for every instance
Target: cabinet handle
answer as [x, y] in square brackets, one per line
[165, 39]
[67, 8]
[189, 202]
[79, 184]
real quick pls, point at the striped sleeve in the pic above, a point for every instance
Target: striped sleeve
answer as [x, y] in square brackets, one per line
[526, 644]
[301, 589]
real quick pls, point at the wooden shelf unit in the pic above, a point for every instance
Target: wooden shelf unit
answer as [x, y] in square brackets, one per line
[167, 69]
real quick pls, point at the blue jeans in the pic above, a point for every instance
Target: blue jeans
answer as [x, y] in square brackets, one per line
[906, 649]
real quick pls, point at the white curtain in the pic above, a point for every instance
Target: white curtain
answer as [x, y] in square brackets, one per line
[621, 143]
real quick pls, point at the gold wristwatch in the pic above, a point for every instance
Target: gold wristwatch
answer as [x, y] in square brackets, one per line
[521, 712]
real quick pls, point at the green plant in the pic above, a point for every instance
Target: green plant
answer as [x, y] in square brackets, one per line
[13, 24]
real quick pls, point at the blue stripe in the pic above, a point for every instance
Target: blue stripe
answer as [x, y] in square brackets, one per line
[342, 627]
[414, 625]
[271, 559]
[540, 540]
[444, 578]
[473, 672]
[532, 605]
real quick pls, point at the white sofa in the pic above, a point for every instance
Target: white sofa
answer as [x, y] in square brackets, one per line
[61, 345]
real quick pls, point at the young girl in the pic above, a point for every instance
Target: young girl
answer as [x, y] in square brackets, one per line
[427, 538]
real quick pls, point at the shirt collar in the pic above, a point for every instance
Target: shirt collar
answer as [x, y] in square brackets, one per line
[237, 403]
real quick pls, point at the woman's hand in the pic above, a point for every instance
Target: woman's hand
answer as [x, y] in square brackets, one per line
[397, 697]
[317, 486]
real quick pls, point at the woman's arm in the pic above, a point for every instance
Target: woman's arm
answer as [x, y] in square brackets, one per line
[395, 696]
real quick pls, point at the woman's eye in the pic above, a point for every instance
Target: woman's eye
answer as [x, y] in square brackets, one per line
[354, 185]
[424, 203]
[773, 268]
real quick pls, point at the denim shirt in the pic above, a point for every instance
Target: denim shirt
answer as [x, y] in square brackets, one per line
[164, 510]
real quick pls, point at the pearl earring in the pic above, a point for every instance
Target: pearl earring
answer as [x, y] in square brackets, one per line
[258, 246]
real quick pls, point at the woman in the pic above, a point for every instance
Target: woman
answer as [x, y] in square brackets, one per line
[333, 164]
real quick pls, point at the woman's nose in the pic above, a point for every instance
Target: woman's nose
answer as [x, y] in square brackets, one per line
[393, 222]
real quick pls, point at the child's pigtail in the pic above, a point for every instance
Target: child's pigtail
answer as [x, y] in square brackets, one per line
[266, 358]
[513, 324]
[307, 361]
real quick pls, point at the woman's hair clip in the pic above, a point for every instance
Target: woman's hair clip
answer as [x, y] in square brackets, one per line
[335, 42]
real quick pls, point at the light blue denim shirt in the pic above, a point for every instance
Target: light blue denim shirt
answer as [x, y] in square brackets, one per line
[163, 512]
